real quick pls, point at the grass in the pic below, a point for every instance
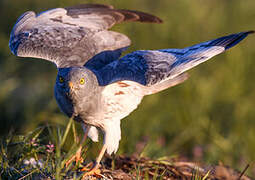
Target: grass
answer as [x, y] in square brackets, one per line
[197, 176]
[41, 154]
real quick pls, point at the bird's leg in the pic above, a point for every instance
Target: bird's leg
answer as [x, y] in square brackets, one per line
[77, 155]
[94, 170]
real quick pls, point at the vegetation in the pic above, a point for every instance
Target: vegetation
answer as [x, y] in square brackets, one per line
[210, 118]
[40, 155]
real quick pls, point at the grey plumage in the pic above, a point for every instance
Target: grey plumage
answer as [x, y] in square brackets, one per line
[149, 67]
[71, 36]
[94, 85]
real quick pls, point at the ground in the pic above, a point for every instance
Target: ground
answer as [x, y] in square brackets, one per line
[41, 155]
[126, 167]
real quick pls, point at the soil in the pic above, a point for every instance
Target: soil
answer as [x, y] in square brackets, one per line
[124, 167]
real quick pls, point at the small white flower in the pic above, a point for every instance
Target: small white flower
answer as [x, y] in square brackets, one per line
[40, 163]
[33, 162]
[26, 162]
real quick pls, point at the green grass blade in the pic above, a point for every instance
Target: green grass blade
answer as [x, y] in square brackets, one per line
[206, 175]
[63, 139]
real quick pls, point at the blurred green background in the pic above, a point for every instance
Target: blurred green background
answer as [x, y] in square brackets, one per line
[209, 118]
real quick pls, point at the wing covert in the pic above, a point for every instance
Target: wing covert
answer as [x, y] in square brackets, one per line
[71, 36]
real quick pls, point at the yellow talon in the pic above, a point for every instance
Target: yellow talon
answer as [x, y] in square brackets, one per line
[88, 167]
[77, 157]
[93, 172]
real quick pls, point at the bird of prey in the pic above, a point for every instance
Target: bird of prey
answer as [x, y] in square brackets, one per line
[94, 84]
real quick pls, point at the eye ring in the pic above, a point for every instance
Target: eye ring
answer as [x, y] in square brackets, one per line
[82, 81]
[61, 79]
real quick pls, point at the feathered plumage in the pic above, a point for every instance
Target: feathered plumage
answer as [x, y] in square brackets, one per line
[71, 36]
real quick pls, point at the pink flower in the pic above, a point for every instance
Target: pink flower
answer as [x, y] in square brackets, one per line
[33, 142]
[50, 147]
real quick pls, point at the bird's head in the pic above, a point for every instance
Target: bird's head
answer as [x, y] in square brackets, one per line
[76, 81]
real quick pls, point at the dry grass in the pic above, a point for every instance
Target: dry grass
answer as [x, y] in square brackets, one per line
[144, 168]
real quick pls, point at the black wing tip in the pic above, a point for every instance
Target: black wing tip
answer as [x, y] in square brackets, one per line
[238, 38]
[154, 19]
[231, 40]
[250, 32]
[130, 15]
[90, 5]
[143, 17]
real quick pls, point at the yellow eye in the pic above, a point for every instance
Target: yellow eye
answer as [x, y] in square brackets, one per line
[61, 79]
[82, 81]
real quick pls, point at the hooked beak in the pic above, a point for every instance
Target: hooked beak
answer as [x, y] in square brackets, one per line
[70, 84]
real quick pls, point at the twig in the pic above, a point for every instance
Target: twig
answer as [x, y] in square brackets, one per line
[27, 175]
[245, 169]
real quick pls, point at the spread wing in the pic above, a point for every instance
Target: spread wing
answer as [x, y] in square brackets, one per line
[71, 36]
[153, 67]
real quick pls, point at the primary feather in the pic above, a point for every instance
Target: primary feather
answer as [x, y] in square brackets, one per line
[71, 36]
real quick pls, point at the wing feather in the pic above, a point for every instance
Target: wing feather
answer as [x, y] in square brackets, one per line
[153, 67]
[71, 36]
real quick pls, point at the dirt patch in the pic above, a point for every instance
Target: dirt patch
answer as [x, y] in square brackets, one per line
[124, 167]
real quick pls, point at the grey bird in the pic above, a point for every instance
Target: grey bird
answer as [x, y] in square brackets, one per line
[94, 85]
